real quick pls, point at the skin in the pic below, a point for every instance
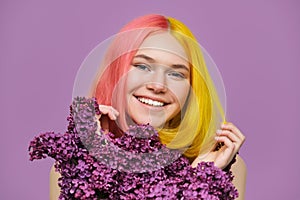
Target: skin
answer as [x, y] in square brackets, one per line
[166, 77]
[160, 94]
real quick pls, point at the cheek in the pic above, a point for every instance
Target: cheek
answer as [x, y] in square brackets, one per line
[133, 80]
[181, 92]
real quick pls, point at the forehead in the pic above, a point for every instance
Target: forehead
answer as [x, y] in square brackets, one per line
[164, 41]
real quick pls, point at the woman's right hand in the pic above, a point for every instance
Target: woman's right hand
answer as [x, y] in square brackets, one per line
[107, 113]
[232, 138]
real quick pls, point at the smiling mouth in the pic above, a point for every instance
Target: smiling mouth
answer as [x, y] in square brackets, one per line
[151, 102]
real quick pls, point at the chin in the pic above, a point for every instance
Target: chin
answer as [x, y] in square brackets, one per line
[141, 113]
[156, 123]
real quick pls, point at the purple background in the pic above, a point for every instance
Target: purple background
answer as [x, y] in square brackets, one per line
[255, 44]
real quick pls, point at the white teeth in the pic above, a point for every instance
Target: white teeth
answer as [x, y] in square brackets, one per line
[150, 102]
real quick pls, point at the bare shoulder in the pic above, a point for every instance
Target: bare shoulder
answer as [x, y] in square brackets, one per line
[54, 189]
[239, 170]
[239, 165]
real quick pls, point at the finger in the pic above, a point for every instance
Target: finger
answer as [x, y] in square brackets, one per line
[231, 127]
[230, 146]
[115, 112]
[109, 108]
[110, 111]
[112, 116]
[237, 143]
[226, 153]
[229, 134]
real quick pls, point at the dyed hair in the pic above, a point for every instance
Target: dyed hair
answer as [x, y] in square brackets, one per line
[195, 126]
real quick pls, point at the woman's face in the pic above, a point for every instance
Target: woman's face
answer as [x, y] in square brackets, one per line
[158, 83]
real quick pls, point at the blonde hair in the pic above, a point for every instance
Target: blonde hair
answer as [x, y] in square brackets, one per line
[198, 126]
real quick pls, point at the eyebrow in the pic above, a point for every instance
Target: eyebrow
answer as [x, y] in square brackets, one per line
[145, 57]
[151, 60]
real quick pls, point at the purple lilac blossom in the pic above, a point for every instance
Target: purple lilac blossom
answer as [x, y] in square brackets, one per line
[99, 166]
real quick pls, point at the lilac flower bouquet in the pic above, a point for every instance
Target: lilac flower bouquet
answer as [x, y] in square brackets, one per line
[136, 165]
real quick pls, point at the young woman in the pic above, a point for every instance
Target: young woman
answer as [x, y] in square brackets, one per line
[154, 73]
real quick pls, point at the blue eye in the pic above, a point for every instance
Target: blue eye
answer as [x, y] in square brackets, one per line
[142, 67]
[177, 75]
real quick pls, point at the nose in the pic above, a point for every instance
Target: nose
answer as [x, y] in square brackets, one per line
[156, 87]
[157, 84]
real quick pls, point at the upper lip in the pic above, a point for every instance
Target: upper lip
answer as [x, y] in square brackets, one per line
[152, 98]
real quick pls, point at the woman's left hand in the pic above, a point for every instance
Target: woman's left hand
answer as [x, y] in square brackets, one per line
[232, 138]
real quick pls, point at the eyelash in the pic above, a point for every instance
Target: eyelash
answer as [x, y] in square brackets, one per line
[142, 67]
[175, 74]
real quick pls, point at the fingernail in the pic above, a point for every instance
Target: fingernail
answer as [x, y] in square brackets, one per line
[219, 131]
[216, 138]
